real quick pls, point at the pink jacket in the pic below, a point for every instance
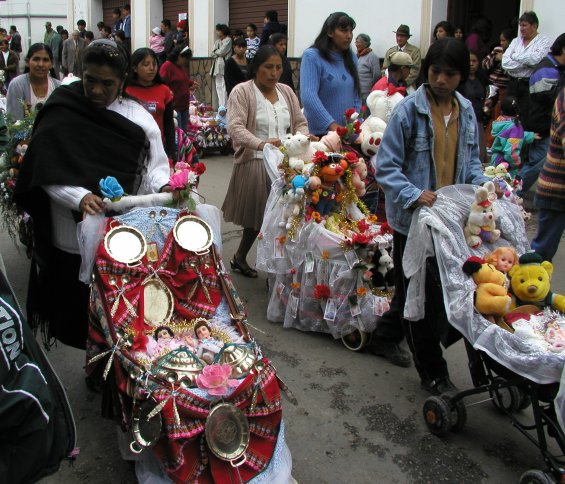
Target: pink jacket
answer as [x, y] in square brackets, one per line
[157, 43]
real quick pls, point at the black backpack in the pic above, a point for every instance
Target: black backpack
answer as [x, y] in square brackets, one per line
[37, 429]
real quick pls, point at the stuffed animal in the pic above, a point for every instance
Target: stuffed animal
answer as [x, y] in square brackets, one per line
[371, 142]
[325, 198]
[373, 127]
[381, 104]
[530, 281]
[490, 171]
[291, 208]
[358, 175]
[491, 297]
[299, 150]
[481, 226]
[383, 277]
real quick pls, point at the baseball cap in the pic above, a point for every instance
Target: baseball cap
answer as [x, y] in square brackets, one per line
[401, 59]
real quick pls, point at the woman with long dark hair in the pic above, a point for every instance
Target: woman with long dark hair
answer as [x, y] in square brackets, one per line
[329, 82]
[30, 90]
[411, 165]
[86, 131]
[146, 86]
[260, 111]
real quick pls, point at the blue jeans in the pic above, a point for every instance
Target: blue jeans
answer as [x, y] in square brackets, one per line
[530, 170]
[551, 224]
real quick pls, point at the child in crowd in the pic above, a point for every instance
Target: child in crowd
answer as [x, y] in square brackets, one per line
[252, 42]
[221, 117]
[509, 136]
[157, 42]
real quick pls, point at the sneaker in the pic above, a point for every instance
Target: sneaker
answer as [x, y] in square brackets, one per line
[391, 351]
[440, 385]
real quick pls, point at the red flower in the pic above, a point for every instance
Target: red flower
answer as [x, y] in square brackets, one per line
[351, 157]
[319, 157]
[386, 228]
[362, 225]
[361, 239]
[357, 126]
[321, 291]
[341, 131]
[293, 271]
[139, 343]
[348, 113]
[199, 168]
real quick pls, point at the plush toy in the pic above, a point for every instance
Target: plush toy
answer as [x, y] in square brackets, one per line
[358, 175]
[383, 277]
[491, 297]
[371, 142]
[490, 171]
[530, 281]
[325, 198]
[381, 104]
[329, 143]
[373, 127]
[299, 150]
[481, 225]
[291, 208]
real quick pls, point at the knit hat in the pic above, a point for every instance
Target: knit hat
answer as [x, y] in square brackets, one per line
[182, 24]
[403, 30]
[401, 59]
[530, 257]
[156, 31]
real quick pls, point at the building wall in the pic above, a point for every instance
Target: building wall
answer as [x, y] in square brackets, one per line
[550, 14]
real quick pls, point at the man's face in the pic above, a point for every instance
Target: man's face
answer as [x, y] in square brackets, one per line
[401, 40]
[528, 30]
[4, 46]
[81, 27]
[48, 27]
[164, 28]
[75, 35]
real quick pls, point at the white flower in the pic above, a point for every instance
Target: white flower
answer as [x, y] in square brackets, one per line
[354, 116]
[192, 178]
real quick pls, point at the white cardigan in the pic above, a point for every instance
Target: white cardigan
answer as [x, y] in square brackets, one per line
[67, 198]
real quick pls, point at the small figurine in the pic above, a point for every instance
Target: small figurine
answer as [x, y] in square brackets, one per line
[208, 347]
[164, 341]
[221, 118]
[503, 258]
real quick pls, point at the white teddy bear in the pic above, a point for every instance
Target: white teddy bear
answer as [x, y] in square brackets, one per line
[299, 150]
[481, 225]
[382, 105]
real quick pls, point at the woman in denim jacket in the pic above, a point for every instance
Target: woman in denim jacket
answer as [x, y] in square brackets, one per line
[430, 142]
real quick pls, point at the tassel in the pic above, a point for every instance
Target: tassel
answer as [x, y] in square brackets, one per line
[158, 408]
[175, 410]
[99, 356]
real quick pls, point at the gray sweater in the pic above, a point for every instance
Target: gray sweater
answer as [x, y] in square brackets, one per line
[19, 91]
[369, 69]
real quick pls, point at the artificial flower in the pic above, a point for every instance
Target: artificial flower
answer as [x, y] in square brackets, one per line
[367, 275]
[354, 116]
[316, 216]
[372, 219]
[199, 168]
[361, 291]
[139, 343]
[179, 180]
[181, 165]
[215, 379]
[295, 285]
[282, 239]
[325, 254]
[349, 113]
[293, 271]
[111, 188]
[341, 131]
[361, 239]
[192, 178]
[321, 291]
[319, 157]
[362, 225]
[357, 127]
[351, 157]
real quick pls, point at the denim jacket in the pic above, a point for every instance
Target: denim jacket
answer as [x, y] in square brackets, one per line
[405, 160]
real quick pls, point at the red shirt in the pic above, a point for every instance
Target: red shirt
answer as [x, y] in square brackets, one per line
[177, 79]
[154, 99]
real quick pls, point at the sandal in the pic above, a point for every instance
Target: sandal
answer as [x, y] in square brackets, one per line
[247, 272]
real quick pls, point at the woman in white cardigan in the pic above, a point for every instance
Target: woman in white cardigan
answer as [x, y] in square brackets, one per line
[260, 111]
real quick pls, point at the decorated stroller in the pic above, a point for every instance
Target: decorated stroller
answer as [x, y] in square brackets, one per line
[512, 371]
[193, 393]
[319, 265]
[207, 133]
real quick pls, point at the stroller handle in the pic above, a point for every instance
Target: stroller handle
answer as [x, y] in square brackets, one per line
[125, 204]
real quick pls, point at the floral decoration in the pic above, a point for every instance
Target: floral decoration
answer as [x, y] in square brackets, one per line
[321, 291]
[215, 379]
[185, 179]
[111, 188]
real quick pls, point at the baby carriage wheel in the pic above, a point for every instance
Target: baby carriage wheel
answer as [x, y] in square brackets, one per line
[458, 415]
[438, 415]
[535, 476]
[508, 399]
[356, 340]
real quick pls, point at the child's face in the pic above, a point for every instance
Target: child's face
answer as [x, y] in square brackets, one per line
[505, 261]
[474, 63]
[203, 332]
[459, 34]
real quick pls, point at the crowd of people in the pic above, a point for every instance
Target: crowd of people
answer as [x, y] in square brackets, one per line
[464, 91]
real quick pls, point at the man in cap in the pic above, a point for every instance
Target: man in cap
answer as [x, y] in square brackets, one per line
[402, 45]
[398, 71]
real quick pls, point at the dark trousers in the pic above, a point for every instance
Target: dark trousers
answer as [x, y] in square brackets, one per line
[423, 337]
[520, 89]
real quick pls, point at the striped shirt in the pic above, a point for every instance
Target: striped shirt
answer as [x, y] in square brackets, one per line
[550, 192]
[519, 60]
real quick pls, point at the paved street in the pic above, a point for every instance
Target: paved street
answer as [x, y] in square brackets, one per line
[358, 419]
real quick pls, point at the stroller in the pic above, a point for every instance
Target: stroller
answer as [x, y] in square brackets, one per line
[207, 135]
[513, 373]
[168, 340]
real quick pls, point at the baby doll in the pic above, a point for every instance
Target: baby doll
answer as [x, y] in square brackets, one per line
[221, 118]
[208, 347]
[503, 258]
[164, 340]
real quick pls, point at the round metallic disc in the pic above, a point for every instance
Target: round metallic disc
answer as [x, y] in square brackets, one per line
[227, 432]
[125, 244]
[146, 432]
[193, 234]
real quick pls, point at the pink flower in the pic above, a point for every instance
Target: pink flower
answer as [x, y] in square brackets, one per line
[181, 165]
[215, 379]
[178, 180]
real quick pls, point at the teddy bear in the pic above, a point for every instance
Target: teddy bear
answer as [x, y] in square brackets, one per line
[381, 105]
[530, 282]
[299, 150]
[491, 297]
[290, 208]
[481, 226]
[358, 176]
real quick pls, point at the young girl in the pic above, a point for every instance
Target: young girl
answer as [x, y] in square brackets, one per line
[509, 136]
[411, 166]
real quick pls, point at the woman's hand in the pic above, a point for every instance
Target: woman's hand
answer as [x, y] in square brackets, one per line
[426, 199]
[91, 204]
[333, 126]
[272, 141]
[311, 137]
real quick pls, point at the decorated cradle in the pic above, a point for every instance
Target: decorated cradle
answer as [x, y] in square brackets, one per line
[320, 268]
[204, 404]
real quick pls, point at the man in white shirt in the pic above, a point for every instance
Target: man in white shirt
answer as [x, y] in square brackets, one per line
[522, 56]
